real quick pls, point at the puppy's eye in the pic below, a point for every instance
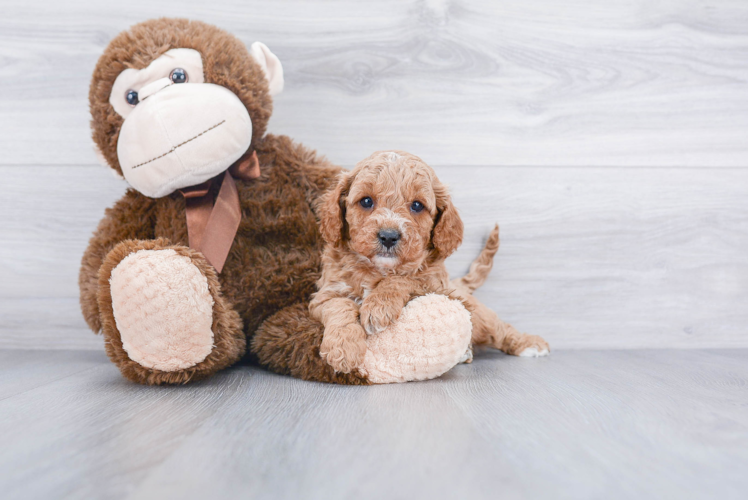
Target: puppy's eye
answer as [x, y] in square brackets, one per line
[366, 202]
[417, 206]
[178, 75]
[131, 97]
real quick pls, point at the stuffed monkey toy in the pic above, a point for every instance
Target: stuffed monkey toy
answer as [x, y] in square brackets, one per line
[214, 251]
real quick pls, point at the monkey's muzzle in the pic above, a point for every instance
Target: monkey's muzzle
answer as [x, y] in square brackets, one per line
[180, 135]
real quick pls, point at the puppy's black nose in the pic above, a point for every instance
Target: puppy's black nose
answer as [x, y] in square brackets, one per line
[389, 237]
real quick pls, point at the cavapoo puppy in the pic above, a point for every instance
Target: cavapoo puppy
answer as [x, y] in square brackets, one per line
[388, 225]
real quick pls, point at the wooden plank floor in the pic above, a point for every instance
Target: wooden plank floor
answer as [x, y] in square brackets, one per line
[579, 424]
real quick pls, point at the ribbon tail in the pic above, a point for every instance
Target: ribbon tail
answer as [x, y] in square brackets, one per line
[222, 225]
[198, 211]
[211, 228]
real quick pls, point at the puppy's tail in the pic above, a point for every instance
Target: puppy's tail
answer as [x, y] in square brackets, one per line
[481, 267]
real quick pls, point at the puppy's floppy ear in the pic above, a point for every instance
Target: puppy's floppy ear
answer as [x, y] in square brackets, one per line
[331, 210]
[447, 233]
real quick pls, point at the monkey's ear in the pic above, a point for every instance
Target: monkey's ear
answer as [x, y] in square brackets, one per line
[270, 64]
[331, 211]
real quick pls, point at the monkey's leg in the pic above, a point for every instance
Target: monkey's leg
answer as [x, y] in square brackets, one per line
[288, 342]
[429, 338]
[163, 316]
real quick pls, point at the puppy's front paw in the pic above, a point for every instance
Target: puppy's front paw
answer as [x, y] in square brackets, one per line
[377, 314]
[344, 348]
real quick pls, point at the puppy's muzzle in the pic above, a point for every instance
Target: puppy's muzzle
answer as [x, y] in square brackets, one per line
[389, 237]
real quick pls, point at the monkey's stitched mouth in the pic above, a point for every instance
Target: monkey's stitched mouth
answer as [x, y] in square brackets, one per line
[180, 145]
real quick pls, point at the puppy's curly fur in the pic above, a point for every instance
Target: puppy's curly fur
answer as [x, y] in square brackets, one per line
[388, 225]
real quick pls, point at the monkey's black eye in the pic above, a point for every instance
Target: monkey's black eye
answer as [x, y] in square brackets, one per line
[178, 75]
[417, 206]
[132, 97]
[366, 202]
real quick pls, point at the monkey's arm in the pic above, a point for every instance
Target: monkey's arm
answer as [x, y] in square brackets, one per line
[131, 218]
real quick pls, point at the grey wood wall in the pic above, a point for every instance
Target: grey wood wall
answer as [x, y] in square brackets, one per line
[609, 140]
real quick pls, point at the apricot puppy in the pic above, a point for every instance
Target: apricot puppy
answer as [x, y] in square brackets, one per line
[388, 225]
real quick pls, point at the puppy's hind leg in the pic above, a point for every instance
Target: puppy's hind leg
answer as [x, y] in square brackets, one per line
[490, 330]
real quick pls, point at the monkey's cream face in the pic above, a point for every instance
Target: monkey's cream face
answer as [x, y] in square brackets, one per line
[178, 130]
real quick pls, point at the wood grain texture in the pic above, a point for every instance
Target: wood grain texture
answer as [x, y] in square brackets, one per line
[579, 424]
[590, 257]
[607, 140]
[515, 82]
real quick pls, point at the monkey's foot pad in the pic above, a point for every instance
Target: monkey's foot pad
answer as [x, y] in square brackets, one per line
[163, 309]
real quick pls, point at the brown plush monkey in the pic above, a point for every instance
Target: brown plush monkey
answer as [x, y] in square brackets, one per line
[216, 244]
